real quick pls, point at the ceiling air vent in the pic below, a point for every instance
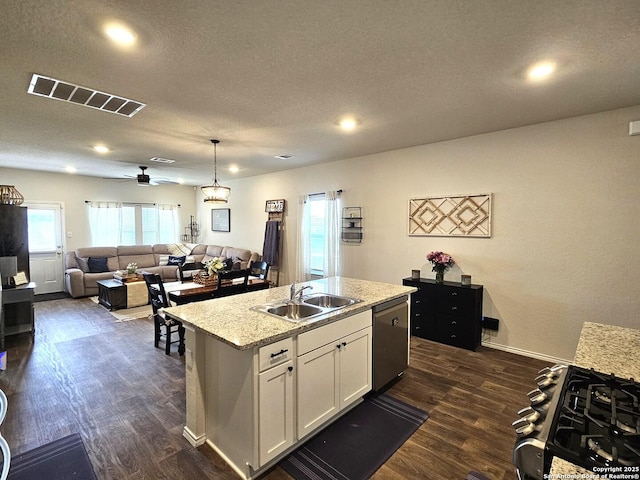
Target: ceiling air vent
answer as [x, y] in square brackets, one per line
[283, 157]
[68, 92]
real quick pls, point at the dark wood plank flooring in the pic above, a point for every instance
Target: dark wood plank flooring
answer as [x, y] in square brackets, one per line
[86, 373]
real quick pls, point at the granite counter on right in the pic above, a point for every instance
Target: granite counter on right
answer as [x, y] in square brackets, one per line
[607, 349]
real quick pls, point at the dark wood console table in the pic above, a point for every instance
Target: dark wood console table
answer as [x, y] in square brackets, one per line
[447, 313]
[17, 311]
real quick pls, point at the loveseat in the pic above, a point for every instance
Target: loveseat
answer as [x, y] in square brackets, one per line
[85, 266]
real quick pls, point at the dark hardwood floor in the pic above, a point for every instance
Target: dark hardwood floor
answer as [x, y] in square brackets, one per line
[86, 373]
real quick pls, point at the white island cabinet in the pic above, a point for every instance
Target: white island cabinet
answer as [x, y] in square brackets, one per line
[334, 370]
[257, 386]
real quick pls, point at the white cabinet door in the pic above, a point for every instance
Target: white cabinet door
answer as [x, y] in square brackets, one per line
[275, 411]
[355, 366]
[318, 394]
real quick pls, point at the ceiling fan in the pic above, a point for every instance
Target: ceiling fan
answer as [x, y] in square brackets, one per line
[144, 180]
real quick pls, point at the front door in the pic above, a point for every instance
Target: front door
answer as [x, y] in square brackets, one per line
[45, 246]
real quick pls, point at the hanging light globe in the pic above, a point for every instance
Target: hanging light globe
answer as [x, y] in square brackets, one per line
[215, 193]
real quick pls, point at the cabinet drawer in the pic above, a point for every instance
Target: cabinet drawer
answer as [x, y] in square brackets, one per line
[275, 354]
[455, 301]
[453, 331]
[309, 341]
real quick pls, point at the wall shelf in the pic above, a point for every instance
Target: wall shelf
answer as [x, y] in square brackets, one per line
[352, 224]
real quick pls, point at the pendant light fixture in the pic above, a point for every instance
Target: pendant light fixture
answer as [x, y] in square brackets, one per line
[215, 193]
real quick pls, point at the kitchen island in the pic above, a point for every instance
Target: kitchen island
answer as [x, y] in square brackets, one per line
[257, 385]
[607, 349]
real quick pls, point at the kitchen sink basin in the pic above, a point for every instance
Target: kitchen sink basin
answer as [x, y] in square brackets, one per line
[294, 311]
[328, 301]
[309, 307]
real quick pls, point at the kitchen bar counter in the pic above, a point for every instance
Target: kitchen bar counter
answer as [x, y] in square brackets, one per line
[607, 349]
[231, 320]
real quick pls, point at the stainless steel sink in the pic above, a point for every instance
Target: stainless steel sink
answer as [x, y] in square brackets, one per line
[308, 308]
[294, 311]
[329, 301]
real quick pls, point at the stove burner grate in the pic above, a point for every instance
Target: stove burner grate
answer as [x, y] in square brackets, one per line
[597, 422]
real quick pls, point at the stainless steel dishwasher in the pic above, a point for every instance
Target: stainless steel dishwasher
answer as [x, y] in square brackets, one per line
[390, 340]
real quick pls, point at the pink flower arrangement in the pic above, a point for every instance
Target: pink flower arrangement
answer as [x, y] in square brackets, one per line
[441, 261]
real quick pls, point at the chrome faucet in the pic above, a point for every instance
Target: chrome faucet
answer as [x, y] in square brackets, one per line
[293, 293]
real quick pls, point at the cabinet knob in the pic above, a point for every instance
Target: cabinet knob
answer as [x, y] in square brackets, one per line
[290, 369]
[454, 308]
[418, 328]
[418, 301]
[339, 346]
[454, 294]
[453, 322]
[453, 336]
[417, 314]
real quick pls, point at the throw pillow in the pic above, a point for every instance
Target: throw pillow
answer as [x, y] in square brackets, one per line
[173, 260]
[163, 260]
[98, 264]
[82, 264]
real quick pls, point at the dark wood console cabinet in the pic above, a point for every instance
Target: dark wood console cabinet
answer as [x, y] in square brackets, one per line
[447, 313]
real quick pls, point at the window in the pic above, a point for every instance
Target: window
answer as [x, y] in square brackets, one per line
[317, 233]
[319, 236]
[115, 224]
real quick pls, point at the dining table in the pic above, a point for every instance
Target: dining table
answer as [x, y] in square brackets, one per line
[187, 292]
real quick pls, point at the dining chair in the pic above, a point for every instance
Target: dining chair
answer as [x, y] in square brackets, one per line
[259, 269]
[186, 270]
[160, 301]
[4, 446]
[226, 285]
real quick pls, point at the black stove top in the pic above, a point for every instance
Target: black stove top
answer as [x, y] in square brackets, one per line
[597, 422]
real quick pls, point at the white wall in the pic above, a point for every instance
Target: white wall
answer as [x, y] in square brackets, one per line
[73, 190]
[564, 248]
[565, 241]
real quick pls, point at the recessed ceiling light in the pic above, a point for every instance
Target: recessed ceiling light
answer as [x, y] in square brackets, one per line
[348, 124]
[234, 169]
[70, 169]
[541, 70]
[101, 149]
[120, 34]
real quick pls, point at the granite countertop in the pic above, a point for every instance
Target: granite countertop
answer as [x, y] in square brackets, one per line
[607, 349]
[231, 320]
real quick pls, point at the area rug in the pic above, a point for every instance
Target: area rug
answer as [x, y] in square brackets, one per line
[358, 444]
[127, 314]
[63, 459]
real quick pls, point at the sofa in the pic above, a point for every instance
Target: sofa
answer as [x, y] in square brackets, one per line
[86, 266]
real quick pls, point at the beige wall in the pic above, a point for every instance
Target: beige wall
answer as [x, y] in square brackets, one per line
[566, 236]
[73, 190]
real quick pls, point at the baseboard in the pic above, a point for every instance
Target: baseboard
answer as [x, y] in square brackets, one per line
[526, 353]
[194, 440]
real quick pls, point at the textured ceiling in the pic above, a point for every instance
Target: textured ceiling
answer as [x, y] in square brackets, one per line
[274, 77]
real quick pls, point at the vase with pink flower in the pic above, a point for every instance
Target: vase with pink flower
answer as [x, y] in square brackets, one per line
[441, 262]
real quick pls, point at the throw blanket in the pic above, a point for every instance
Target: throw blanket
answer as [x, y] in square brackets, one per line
[137, 294]
[271, 242]
[180, 249]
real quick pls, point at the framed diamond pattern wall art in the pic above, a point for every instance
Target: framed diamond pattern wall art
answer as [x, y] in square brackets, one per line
[454, 216]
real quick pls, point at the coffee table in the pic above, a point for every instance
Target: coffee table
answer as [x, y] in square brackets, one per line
[113, 294]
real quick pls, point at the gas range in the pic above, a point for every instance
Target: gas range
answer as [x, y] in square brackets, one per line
[588, 418]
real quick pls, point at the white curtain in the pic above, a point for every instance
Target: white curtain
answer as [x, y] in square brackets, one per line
[105, 219]
[303, 265]
[332, 261]
[167, 224]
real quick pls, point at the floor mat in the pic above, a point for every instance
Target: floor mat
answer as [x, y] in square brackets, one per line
[357, 444]
[61, 459]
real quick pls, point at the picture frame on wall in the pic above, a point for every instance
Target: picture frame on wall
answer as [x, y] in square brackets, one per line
[221, 219]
